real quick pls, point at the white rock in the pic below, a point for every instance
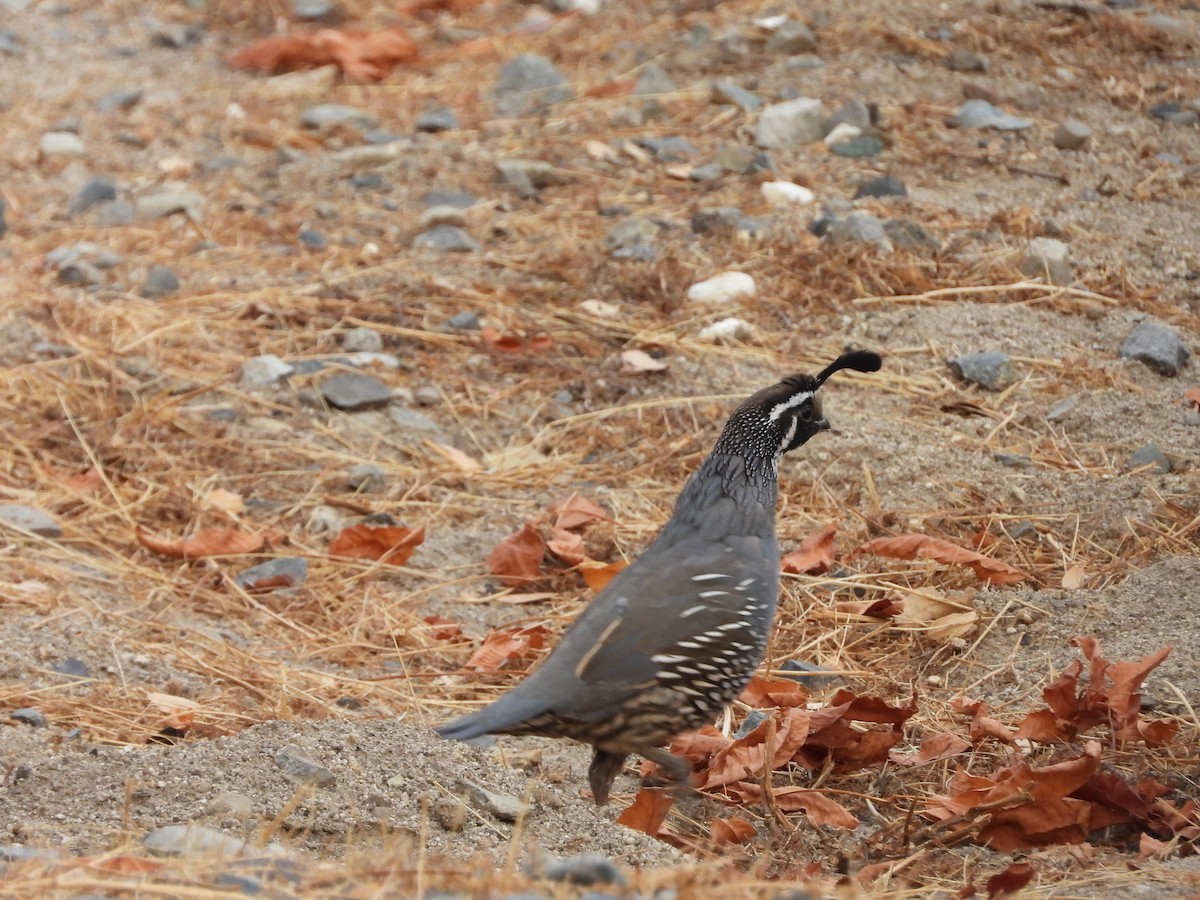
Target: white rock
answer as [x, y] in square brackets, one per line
[785, 193]
[789, 123]
[770, 23]
[843, 131]
[723, 288]
[264, 370]
[726, 331]
[62, 143]
[600, 309]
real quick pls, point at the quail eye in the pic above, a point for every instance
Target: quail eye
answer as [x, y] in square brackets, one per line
[806, 413]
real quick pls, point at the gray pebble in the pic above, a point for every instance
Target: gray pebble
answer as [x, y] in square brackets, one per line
[31, 519]
[860, 147]
[167, 203]
[752, 229]
[80, 272]
[503, 807]
[467, 320]
[887, 186]
[442, 197]
[1063, 408]
[728, 93]
[753, 719]
[527, 84]
[653, 79]
[10, 43]
[114, 214]
[1048, 258]
[243, 884]
[1024, 528]
[854, 111]
[376, 137]
[193, 840]
[299, 765]
[62, 143]
[584, 871]
[668, 149]
[427, 395]
[739, 160]
[432, 121]
[20, 853]
[96, 190]
[963, 60]
[859, 227]
[1158, 346]
[1071, 134]
[159, 282]
[633, 231]
[30, 715]
[412, 420]
[73, 667]
[527, 176]
[810, 674]
[313, 239]
[362, 340]
[992, 369]
[352, 391]
[787, 124]
[981, 114]
[366, 478]
[1150, 455]
[1013, 460]
[293, 569]
[324, 115]
[716, 219]
[314, 10]
[123, 99]
[447, 239]
[173, 36]
[265, 370]
[791, 38]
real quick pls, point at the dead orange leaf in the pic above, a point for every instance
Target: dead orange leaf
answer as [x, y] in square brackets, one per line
[209, 542]
[934, 747]
[443, 629]
[597, 575]
[362, 56]
[910, 546]
[391, 544]
[647, 812]
[1011, 880]
[85, 482]
[575, 512]
[515, 344]
[814, 555]
[123, 864]
[517, 559]
[1193, 394]
[567, 546]
[734, 830]
[413, 8]
[500, 648]
[621, 88]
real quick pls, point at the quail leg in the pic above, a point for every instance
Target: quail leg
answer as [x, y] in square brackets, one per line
[678, 770]
[604, 769]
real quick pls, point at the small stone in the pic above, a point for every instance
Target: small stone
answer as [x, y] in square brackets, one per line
[1022, 529]
[20, 853]
[230, 803]
[982, 114]
[432, 121]
[1063, 408]
[855, 112]
[299, 765]
[96, 190]
[1013, 460]
[963, 60]
[791, 38]
[80, 272]
[313, 239]
[314, 10]
[528, 176]
[740, 160]
[123, 99]
[441, 215]
[446, 239]
[460, 199]
[62, 143]
[172, 35]
[887, 186]
[412, 420]
[528, 83]
[468, 320]
[716, 220]
[365, 181]
[167, 203]
[1071, 134]
[730, 94]
[1167, 24]
[362, 340]
[366, 478]
[30, 519]
[427, 395]
[325, 115]
[193, 840]
[723, 288]
[785, 193]
[792, 122]
[842, 132]
[29, 715]
[114, 214]
[10, 43]
[653, 79]
[992, 369]
[710, 171]
[726, 331]
[159, 282]
[859, 227]
[503, 807]
[377, 137]
[753, 719]
[1048, 258]
[633, 231]
[274, 574]
[810, 674]
[669, 149]
[585, 870]
[352, 391]
[1158, 346]
[72, 667]
[1150, 455]
[265, 370]
[752, 229]
[858, 148]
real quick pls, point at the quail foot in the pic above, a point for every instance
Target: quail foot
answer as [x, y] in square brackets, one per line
[675, 637]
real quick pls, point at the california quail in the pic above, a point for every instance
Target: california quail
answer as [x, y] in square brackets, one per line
[676, 636]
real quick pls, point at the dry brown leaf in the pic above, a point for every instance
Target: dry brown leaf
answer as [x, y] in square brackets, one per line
[518, 558]
[1193, 394]
[1125, 695]
[1074, 578]
[1011, 880]
[621, 88]
[567, 546]
[85, 483]
[597, 575]
[910, 546]
[209, 542]
[443, 629]
[502, 647]
[575, 512]
[817, 806]
[391, 544]
[934, 747]
[226, 501]
[814, 555]
[637, 362]
[413, 8]
[515, 344]
[647, 812]
[734, 830]
[939, 617]
[363, 56]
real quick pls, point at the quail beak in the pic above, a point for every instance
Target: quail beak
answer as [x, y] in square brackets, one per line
[823, 424]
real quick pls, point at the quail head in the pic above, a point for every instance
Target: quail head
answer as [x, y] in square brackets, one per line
[675, 637]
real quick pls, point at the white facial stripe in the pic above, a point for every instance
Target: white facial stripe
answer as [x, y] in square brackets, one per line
[787, 438]
[790, 403]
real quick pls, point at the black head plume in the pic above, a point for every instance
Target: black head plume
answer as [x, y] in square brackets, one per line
[858, 360]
